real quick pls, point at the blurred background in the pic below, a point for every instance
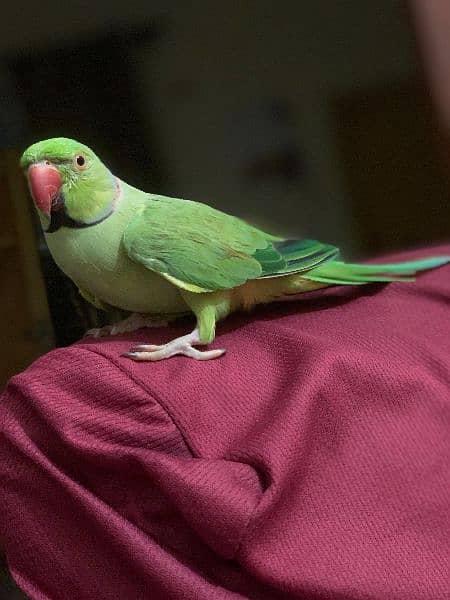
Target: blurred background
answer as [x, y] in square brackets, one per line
[325, 119]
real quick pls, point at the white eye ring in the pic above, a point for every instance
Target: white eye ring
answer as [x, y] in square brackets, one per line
[80, 162]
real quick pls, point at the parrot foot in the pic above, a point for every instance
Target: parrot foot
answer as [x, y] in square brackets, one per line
[182, 345]
[131, 323]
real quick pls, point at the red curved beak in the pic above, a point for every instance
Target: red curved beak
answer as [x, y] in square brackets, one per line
[45, 183]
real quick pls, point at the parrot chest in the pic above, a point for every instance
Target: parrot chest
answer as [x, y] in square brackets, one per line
[95, 259]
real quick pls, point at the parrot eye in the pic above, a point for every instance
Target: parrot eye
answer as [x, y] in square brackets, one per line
[80, 162]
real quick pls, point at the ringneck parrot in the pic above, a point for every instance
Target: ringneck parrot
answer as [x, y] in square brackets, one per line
[159, 258]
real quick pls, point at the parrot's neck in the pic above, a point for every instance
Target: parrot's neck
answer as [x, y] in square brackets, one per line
[61, 218]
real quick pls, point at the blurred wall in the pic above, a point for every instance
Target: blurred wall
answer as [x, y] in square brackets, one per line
[213, 63]
[217, 62]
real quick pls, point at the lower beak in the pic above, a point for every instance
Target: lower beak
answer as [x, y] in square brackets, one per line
[45, 184]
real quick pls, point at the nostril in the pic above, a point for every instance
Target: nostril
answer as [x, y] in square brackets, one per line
[47, 162]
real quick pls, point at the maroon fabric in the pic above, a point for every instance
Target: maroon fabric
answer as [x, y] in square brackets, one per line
[312, 461]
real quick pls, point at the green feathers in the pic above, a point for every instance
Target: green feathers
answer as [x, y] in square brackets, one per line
[55, 150]
[154, 255]
[189, 244]
[297, 256]
[88, 187]
[349, 274]
[193, 245]
[201, 249]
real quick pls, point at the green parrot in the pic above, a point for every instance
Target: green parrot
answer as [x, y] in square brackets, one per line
[159, 258]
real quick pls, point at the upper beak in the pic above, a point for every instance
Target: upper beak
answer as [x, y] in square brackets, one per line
[45, 183]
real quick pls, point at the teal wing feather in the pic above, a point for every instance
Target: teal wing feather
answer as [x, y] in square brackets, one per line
[301, 256]
[202, 249]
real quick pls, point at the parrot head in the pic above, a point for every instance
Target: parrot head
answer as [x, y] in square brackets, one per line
[69, 184]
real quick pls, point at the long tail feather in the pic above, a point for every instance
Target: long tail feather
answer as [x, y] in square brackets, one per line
[357, 274]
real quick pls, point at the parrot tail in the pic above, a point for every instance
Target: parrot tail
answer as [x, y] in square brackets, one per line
[340, 273]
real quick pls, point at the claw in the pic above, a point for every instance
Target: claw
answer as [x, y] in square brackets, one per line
[99, 331]
[182, 345]
[165, 352]
[131, 323]
[146, 348]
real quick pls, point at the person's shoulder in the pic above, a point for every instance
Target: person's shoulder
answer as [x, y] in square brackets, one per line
[65, 370]
[81, 390]
[273, 355]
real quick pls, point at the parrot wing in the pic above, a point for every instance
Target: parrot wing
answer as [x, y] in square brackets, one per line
[201, 249]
